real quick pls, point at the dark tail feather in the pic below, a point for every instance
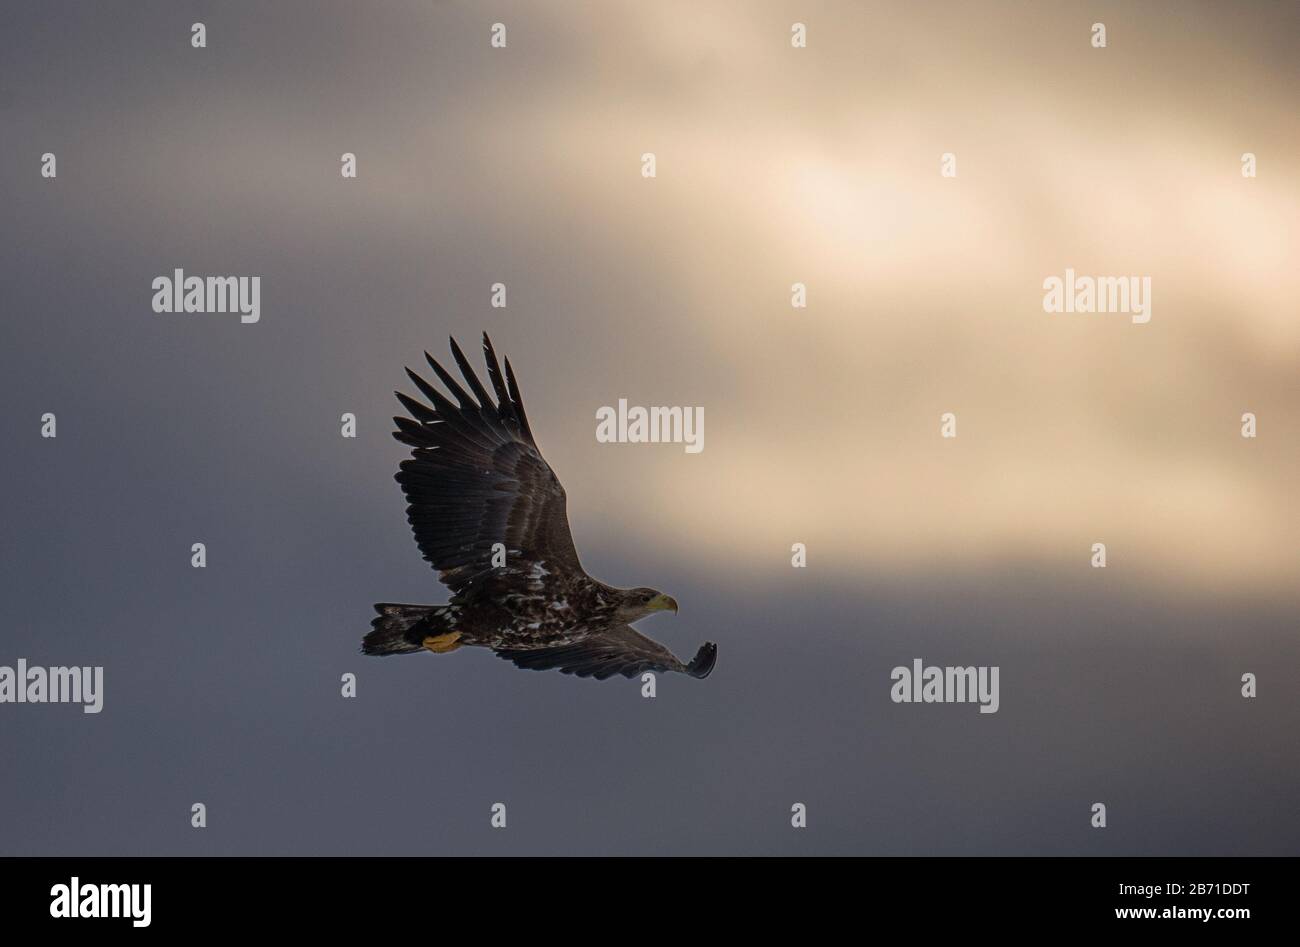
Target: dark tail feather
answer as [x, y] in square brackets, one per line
[398, 629]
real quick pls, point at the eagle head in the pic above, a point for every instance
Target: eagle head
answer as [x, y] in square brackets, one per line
[638, 603]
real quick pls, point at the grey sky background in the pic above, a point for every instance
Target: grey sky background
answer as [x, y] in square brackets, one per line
[522, 165]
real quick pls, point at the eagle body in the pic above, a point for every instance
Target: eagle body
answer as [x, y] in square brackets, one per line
[490, 515]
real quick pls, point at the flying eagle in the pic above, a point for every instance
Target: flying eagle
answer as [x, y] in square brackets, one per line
[489, 514]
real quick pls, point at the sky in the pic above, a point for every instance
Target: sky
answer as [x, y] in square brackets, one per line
[774, 165]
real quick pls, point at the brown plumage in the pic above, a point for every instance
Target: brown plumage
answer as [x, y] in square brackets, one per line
[489, 514]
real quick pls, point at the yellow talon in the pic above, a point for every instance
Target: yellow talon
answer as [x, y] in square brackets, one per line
[441, 644]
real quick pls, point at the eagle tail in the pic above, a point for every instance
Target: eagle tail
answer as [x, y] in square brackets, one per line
[401, 629]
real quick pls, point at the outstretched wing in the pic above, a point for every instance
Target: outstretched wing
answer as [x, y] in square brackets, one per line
[621, 650]
[476, 478]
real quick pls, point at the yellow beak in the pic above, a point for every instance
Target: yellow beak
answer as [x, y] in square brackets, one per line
[662, 603]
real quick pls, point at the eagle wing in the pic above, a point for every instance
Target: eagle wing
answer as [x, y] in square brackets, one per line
[620, 650]
[476, 478]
